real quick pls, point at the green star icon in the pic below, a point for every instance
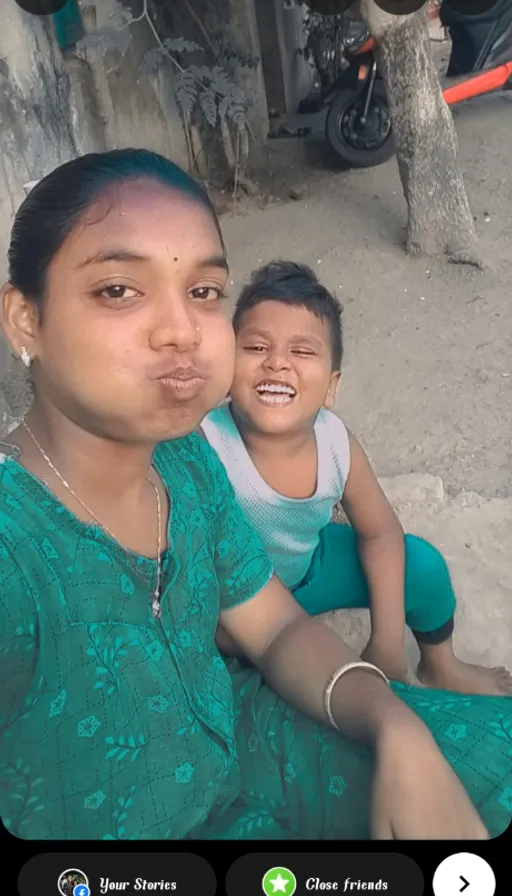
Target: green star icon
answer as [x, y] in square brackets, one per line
[279, 880]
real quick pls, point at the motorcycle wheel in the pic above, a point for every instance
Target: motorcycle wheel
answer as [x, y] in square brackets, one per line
[360, 145]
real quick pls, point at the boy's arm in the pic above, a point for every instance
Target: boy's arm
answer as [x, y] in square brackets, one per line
[382, 552]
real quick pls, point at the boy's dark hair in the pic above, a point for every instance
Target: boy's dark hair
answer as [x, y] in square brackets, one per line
[293, 284]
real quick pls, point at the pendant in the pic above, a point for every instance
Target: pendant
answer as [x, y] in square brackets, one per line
[14, 452]
[155, 606]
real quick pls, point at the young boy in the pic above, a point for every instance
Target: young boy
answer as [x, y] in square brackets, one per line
[290, 460]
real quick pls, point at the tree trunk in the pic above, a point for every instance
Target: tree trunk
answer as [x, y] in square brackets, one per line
[440, 219]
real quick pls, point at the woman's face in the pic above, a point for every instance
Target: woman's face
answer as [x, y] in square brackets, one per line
[133, 343]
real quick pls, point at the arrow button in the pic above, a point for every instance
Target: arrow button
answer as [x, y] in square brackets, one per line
[463, 870]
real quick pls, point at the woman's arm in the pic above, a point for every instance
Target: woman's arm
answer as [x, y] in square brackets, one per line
[225, 644]
[381, 547]
[298, 654]
[416, 795]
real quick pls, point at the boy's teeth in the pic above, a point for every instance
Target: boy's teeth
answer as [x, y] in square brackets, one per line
[275, 397]
[275, 387]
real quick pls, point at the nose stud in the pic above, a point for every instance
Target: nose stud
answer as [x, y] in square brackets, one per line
[198, 329]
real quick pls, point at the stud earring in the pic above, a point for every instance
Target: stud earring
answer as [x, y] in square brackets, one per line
[25, 357]
[198, 329]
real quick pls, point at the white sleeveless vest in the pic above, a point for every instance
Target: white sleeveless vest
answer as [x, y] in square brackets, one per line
[288, 527]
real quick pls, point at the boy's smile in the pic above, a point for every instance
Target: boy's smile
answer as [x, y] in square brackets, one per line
[275, 392]
[283, 371]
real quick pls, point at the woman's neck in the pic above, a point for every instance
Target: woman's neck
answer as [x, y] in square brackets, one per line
[94, 464]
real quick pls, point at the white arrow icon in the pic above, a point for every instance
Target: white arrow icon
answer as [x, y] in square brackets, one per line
[462, 871]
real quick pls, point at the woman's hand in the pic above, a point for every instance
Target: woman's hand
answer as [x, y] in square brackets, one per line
[416, 795]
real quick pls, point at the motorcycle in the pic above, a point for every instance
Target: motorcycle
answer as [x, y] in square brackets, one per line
[358, 123]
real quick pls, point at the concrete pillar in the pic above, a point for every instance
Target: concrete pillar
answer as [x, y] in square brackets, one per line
[271, 35]
[288, 76]
[245, 30]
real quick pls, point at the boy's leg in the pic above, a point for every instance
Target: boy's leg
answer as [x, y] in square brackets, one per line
[430, 607]
[335, 580]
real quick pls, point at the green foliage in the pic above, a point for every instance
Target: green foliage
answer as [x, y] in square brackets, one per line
[210, 90]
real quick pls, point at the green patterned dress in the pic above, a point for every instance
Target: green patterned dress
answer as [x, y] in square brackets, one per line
[117, 726]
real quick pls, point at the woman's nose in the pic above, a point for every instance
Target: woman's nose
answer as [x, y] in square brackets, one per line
[178, 328]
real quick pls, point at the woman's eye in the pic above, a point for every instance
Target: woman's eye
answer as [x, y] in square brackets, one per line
[255, 348]
[119, 292]
[304, 352]
[207, 293]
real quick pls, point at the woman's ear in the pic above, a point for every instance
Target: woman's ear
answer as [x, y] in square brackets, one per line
[19, 322]
[330, 398]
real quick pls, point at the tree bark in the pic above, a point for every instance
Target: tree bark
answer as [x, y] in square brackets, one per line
[439, 216]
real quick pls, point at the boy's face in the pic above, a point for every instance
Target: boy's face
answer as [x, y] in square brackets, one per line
[283, 368]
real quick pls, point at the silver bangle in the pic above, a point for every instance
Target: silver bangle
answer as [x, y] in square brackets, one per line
[335, 677]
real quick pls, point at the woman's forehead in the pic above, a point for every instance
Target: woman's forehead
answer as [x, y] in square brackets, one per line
[146, 219]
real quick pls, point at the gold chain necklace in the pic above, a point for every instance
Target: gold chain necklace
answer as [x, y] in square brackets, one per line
[156, 594]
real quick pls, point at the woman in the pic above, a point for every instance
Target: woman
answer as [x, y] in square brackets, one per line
[122, 546]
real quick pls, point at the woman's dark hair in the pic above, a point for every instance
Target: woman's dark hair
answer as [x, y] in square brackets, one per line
[293, 284]
[56, 204]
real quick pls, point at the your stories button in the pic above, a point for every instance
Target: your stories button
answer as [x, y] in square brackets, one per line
[330, 874]
[105, 873]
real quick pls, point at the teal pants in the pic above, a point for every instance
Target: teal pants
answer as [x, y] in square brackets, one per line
[336, 580]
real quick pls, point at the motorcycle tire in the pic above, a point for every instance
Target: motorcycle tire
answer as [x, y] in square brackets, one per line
[358, 150]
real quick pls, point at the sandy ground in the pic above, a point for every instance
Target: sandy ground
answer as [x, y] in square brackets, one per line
[427, 382]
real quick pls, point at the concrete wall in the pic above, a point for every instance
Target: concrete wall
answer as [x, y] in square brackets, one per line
[135, 109]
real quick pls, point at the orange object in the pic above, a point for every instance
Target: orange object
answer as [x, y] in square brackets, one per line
[487, 82]
[362, 73]
[367, 46]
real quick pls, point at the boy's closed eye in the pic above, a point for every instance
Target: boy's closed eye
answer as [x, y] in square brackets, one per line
[303, 352]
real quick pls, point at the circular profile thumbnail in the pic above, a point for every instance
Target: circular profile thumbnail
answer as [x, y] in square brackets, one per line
[73, 882]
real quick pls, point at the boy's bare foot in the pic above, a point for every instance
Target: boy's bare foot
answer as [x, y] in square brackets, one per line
[466, 678]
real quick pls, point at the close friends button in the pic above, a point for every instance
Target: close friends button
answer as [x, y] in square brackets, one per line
[330, 874]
